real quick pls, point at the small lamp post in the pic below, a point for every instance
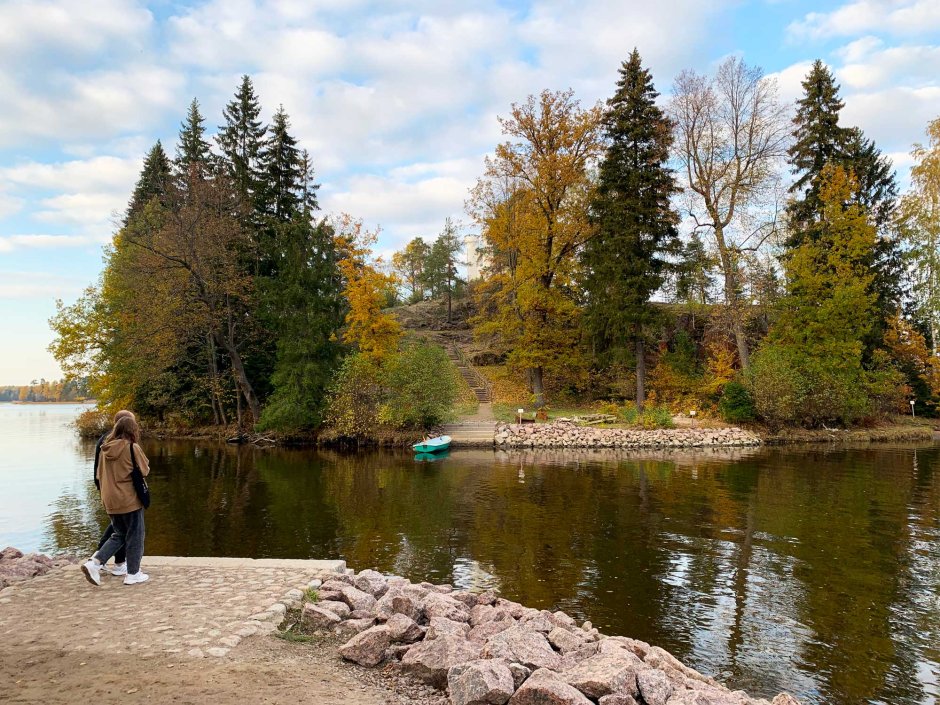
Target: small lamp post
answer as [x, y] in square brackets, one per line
[692, 416]
[912, 409]
[520, 414]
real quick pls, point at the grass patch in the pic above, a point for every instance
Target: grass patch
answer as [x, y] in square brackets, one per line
[311, 595]
[295, 637]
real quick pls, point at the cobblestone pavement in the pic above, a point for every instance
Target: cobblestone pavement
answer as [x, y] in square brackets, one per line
[197, 609]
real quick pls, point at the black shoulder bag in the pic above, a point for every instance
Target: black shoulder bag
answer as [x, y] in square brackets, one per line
[140, 484]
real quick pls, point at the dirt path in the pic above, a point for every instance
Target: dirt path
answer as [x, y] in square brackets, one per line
[191, 635]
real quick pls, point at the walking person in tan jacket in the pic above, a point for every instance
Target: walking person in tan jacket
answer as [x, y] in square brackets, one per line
[121, 501]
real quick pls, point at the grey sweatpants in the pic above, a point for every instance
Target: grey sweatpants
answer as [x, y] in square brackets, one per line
[128, 534]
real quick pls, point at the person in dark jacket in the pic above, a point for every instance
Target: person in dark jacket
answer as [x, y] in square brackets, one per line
[120, 558]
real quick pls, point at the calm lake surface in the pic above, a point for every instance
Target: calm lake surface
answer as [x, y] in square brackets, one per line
[813, 571]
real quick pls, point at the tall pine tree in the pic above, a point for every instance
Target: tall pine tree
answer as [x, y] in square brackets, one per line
[625, 261]
[241, 139]
[281, 170]
[193, 151]
[820, 142]
[153, 181]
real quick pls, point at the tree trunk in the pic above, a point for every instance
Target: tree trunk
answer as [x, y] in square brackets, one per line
[729, 267]
[243, 382]
[538, 389]
[218, 411]
[640, 375]
[449, 287]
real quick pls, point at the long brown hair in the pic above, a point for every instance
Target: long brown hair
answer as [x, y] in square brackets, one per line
[125, 427]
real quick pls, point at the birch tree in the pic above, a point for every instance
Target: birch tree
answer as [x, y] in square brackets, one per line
[731, 134]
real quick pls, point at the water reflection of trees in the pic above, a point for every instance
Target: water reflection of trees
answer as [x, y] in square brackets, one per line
[813, 570]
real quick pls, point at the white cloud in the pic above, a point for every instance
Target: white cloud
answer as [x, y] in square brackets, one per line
[8, 243]
[44, 27]
[63, 106]
[97, 173]
[897, 17]
[37, 285]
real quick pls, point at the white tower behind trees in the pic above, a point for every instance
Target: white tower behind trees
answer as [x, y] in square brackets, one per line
[475, 259]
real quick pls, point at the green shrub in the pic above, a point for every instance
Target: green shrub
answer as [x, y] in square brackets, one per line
[420, 387]
[656, 417]
[776, 386]
[355, 396]
[92, 423]
[736, 404]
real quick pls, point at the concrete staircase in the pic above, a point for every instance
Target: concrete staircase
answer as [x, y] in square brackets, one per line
[470, 433]
[477, 382]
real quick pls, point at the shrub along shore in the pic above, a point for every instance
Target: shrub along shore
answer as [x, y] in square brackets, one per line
[481, 648]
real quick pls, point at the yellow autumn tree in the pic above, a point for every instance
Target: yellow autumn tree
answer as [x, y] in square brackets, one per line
[375, 332]
[532, 208]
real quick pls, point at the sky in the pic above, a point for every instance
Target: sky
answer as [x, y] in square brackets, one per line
[396, 101]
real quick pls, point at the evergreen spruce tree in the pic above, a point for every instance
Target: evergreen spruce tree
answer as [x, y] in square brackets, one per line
[625, 262]
[309, 314]
[193, 151]
[440, 270]
[153, 181]
[818, 140]
[241, 139]
[281, 170]
[307, 187]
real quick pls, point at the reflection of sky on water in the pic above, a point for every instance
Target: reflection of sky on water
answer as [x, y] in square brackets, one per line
[813, 571]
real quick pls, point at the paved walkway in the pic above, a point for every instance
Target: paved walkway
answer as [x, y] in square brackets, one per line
[198, 606]
[195, 633]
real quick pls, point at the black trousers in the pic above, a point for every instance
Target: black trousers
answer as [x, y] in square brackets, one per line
[121, 555]
[129, 535]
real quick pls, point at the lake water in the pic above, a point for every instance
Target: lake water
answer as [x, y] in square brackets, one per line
[813, 571]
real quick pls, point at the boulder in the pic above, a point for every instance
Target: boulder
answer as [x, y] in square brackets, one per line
[383, 606]
[654, 686]
[617, 699]
[605, 674]
[487, 598]
[408, 606]
[396, 652]
[351, 627]
[564, 641]
[544, 687]
[481, 613]
[437, 605]
[357, 599]
[663, 660]
[539, 622]
[573, 658]
[430, 661]
[441, 626]
[467, 598]
[514, 608]
[639, 648]
[482, 682]
[315, 617]
[486, 631]
[784, 699]
[360, 614]
[340, 609]
[402, 628]
[519, 673]
[10, 553]
[518, 644]
[561, 619]
[372, 582]
[367, 648]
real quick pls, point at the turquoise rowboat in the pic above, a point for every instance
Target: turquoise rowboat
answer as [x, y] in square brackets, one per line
[432, 445]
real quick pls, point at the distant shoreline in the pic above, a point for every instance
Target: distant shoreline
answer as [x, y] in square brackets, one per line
[87, 402]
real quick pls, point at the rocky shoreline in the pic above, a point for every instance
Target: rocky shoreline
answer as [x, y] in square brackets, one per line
[16, 567]
[566, 434]
[481, 649]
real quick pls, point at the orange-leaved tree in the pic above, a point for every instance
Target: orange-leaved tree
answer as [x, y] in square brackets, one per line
[532, 207]
[375, 332]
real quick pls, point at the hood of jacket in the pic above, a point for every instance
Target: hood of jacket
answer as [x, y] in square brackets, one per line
[114, 449]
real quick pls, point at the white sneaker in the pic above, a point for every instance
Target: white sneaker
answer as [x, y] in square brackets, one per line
[134, 578]
[92, 570]
[117, 569]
